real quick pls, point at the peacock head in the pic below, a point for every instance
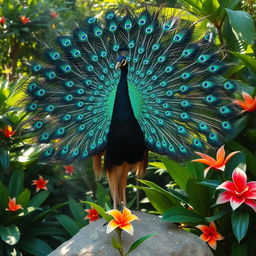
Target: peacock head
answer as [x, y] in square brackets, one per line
[121, 60]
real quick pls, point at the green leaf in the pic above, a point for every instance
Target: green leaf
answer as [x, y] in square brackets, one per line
[240, 224]
[200, 197]
[23, 198]
[138, 242]
[10, 234]
[35, 246]
[242, 25]
[159, 201]
[16, 184]
[180, 174]
[180, 214]
[77, 211]
[4, 157]
[211, 183]
[238, 160]
[68, 224]
[239, 250]
[218, 216]
[248, 60]
[38, 199]
[116, 244]
[100, 210]
[4, 196]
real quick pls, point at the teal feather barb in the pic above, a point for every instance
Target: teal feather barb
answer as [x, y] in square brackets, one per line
[176, 88]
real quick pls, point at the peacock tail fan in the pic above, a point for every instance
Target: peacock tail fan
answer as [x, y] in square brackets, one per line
[177, 90]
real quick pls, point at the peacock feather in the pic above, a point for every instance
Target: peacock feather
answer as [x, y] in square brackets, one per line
[167, 94]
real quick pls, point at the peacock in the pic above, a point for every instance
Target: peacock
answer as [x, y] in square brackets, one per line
[126, 83]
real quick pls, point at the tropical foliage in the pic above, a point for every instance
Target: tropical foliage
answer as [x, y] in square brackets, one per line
[213, 197]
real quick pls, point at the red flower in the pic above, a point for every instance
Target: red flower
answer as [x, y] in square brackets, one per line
[93, 215]
[69, 169]
[210, 234]
[218, 164]
[248, 104]
[121, 220]
[24, 19]
[54, 14]
[12, 206]
[2, 20]
[40, 183]
[238, 191]
[7, 131]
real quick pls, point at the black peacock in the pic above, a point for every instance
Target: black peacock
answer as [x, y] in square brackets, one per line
[128, 83]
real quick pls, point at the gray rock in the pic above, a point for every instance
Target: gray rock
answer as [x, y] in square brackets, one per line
[169, 240]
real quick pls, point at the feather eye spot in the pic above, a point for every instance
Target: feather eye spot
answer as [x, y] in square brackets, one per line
[226, 125]
[36, 68]
[169, 93]
[229, 86]
[185, 103]
[168, 113]
[49, 108]
[38, 125]
[68, 97]
[80, 117]
[155, 47]
[66, 117]
[169, 69]
[32, 106]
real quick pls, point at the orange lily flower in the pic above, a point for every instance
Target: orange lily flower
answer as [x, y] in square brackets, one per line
[210, 234]
[69, 169]
[12, 206]
[121, 220]
[248, 104]
[93, 215]
[2, 20]
[40, 183]
[24, 19]
[7, 131]
[218, 164]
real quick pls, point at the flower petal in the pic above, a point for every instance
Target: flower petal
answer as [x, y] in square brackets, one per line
[203, 228]
[128, 228]
[218, 236]
[220, 156]
[227, 185]
[204, 156]
[250, 195]
[224, 197]
[206, 170]
[235, 202]
[212, 243]
[230, 155]
[247, 98]
[239, 178]
[251, 203]
[252, 185]
[203, 161]
[212, 227]
[205, 237]
[111, 226]
[117, 215]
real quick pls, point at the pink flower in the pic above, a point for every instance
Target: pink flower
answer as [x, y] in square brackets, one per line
[40, 183]
[248, 104]
[210, 234]
[69, 169]
[238, 191]
[218, 164]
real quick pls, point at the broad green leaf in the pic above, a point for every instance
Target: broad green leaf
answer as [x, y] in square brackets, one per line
[10, 234]
[182, 215]
[218, 216]
[23, 198]
[211, 183]
[39, 198]
[100, 210]
[16, 184]
[239, 250]
[200, 197]
[68, 224]
[210, 8]
[238, 160]
[138, 242]
[180, 174]
[242, 25]
[77, 211]
[159, 165]
[159, 201]
[248, 60]
[4, 157]
[35, 246]
[240, 223]
[4, 196]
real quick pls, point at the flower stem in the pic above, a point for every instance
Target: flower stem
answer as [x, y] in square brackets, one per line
[121, 250]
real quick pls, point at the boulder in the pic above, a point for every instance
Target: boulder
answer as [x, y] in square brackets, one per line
[169, 240]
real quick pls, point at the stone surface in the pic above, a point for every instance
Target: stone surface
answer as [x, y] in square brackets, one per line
[169, 240]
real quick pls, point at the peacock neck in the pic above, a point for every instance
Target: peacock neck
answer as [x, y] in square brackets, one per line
[122, 108]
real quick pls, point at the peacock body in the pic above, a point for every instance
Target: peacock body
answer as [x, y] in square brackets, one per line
[128, 83]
